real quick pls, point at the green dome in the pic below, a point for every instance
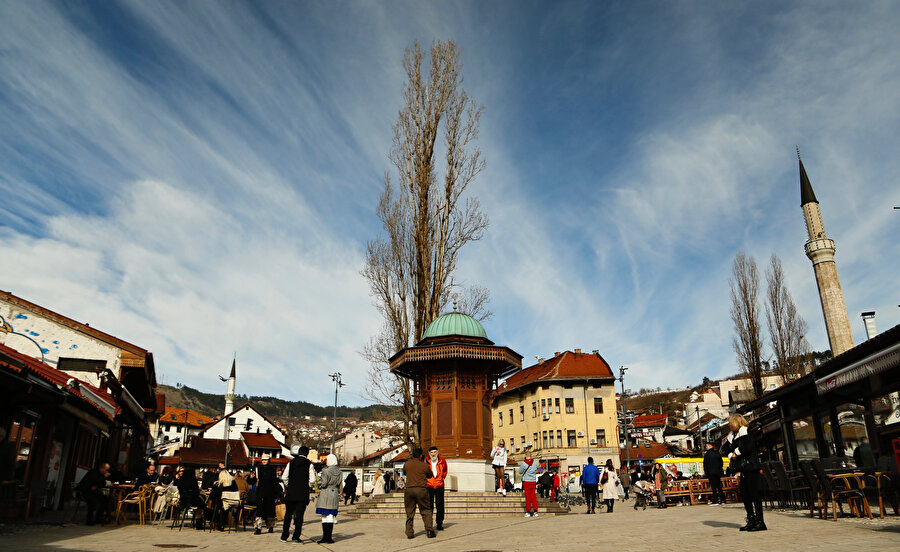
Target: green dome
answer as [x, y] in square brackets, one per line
[454, 323]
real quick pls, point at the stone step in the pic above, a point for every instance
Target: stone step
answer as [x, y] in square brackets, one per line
[456, 505]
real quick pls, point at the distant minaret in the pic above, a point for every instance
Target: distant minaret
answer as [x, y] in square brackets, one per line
[229, 396]
[820, 250]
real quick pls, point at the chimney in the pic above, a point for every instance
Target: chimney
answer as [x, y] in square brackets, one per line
[578, 351]
[556, 354]
[869, 321]
[596, 351]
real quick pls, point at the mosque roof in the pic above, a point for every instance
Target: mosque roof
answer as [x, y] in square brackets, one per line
[454, 323]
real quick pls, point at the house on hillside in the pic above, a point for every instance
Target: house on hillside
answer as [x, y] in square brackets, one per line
[176, 426]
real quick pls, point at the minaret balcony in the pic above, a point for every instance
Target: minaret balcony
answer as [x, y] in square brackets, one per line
[820, 250]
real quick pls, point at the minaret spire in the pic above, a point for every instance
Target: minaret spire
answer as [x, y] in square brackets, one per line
[232, 379]
[820, 250]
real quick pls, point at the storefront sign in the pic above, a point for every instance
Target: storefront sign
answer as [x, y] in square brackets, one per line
[869, 366]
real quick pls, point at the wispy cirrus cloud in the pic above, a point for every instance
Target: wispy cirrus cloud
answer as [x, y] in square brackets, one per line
[207, 173]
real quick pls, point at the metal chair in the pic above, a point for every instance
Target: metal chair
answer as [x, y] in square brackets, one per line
[770, 487]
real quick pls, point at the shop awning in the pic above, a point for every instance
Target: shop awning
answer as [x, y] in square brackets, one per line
[869, 366]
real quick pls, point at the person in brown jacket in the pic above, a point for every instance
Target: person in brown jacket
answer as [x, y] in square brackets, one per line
[416, 494]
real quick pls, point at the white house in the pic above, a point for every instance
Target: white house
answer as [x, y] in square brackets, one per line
[245, 419]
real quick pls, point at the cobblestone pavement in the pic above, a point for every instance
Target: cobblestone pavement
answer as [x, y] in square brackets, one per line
[695, 528]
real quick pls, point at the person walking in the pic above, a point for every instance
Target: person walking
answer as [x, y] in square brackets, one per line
[296, 477]
[378, 483]
[266, 494]
[590, 478]
[415, 495]
[661, 480]
[435, 485]
[498, 462]
[712, 469]
[609, 479]
[626, 481]
[555, 486]
[350, 484]
[329, 497]
[528, 470]
[744, 457]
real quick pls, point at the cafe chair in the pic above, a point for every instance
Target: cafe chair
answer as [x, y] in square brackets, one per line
[841, 487]
[138, 499]
[816, 499]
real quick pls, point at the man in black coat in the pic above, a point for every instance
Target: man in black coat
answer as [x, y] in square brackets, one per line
[297, 476]
[712, 468]
[147, 478]
[91, 488]
[350, 484]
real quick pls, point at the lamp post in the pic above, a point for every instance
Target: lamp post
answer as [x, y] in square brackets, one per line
[622, 370]
[336, 377]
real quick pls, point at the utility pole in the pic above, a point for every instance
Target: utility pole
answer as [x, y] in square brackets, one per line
[622, 370]
[336, 377]
[699, 428]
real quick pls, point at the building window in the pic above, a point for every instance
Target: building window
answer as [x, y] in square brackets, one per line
[551, 439]
[168, 428]
[598, 405]
[535, 441]
[570, 435]
[570, 406]
[557, 405]
[601, 437]
[545, 439]
[501, 419]
[523, 441]
[522, 413]
[510, 417]
[231, 421]
[559, 437]
[543, 406]
[534, 409]
[512, 443]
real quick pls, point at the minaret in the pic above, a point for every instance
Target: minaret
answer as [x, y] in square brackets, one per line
[229, 396]
[820, 250]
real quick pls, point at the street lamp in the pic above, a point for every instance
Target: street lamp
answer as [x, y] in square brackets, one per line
[336, 377]
[622, 370]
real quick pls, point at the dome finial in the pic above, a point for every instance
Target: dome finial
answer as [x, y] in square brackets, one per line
[455, 297]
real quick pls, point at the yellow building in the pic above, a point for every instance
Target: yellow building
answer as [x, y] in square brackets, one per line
[562, 410]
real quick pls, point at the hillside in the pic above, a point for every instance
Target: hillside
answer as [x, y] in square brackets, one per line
[213, 405]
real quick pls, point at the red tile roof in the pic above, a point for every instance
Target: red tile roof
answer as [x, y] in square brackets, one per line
[260, 440]
[650, 420]
[186, 416]
[648, 451]
[17, 362]
[566, 366]
[209, 452]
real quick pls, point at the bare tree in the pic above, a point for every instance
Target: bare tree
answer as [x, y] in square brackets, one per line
[426, 222]
[786, 327]
[747, 340]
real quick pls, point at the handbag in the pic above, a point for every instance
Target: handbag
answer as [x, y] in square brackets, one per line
[280, 510]
[605, 478]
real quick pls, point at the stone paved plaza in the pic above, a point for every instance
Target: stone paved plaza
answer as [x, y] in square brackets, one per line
[695, 528]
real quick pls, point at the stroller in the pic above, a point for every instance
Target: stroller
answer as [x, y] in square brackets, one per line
[642, 494]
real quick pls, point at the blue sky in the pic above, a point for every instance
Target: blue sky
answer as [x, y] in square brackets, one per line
[200, 178]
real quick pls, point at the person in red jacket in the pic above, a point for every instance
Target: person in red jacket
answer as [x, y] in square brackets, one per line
[436, 486]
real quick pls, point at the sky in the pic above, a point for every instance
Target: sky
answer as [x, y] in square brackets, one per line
[201, 178]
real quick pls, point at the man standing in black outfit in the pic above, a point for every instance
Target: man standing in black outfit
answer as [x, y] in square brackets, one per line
[350, 488]
[712, 468]
[297, 475]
